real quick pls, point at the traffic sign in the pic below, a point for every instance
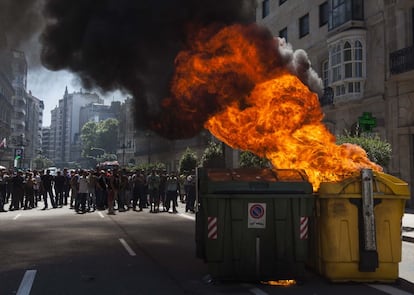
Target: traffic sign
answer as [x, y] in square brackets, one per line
[256, 215]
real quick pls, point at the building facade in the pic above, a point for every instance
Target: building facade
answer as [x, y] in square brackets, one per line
[6, 96]
[142, 147]
[47, 146]
[33, 129]
[65, 126]
[363, 51]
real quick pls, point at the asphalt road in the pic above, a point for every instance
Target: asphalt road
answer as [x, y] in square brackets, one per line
[59, 252]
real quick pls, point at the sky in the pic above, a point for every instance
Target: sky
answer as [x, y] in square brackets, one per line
[49, 86]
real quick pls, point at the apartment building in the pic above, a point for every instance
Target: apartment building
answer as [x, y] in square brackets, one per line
[65, 125]
[364, 53]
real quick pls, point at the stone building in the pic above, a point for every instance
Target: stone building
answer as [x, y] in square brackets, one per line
[364, 53]
[65, 128]
[33, 128]
[137, 146]
[6, 95]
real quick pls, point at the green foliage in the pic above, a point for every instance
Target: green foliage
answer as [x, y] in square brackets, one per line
[41, 162]
[188, 161]
[378, 151]
[102, 135]
[107, 135]
[148, 167]
[248, 159]
[88, 137]
[213, 156]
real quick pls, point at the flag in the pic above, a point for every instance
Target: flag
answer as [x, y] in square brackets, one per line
[3, 143]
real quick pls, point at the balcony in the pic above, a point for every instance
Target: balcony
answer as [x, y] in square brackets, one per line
[402, 60]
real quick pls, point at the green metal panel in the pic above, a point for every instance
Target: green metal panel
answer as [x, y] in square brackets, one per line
[239, 252]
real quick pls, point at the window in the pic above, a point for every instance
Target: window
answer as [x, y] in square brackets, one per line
[336, 60]
[358, 59]
[325, 74]
[343, 11]
[304, 26]
[323, 13]
[265, 8]
[346, 66]
[348, 60]
[283, 34]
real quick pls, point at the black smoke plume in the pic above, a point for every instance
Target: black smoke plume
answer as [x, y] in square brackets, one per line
[131, 45]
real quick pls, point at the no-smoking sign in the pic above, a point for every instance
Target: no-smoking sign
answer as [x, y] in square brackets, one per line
[256, 215]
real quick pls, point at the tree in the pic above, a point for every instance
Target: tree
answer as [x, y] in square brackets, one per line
[41, 162]
[102, 135]
[378, 151]
[188, 161]
[88, 137]
[213, 156]
[107, 135]
[248, 159]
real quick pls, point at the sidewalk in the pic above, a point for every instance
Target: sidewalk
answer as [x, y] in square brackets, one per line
[408, 226]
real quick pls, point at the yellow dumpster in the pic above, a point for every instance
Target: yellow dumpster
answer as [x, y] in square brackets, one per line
[357, 228]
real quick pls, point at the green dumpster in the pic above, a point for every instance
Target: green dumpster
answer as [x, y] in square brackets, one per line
[252, 224]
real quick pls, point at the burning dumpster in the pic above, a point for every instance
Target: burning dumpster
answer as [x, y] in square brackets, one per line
[252, 224]
[358, 228]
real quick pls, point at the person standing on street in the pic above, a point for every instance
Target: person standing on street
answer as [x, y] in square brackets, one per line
[74, 186]
[66, 186]
[82, 192]
[3, 190]
[153, 182]
[17, 183]
[47, 184]
[111, 192]
[172, 191]
[101, 191]
[29, 201]
[59, 188]
[191, 193]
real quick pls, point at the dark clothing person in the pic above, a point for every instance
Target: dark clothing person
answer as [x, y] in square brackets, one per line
[101, 191]
[59, 188]
[17, 183]
[47, 181]
[29, 201]
[3, 191]
[66, 187]
[139, 193]
[172, 190]
[153, 183]
[191, 193]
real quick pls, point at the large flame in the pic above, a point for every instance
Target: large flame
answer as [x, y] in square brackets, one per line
[260, 106]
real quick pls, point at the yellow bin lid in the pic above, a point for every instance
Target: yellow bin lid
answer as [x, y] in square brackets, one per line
[383, 184]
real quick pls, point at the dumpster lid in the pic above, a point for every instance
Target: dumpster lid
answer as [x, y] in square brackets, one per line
[256, 174]
[383, 184]
[255, 180]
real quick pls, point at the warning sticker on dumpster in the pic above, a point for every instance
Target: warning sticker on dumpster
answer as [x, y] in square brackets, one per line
[256, 215]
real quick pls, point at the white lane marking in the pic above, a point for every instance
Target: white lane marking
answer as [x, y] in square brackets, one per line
[100, 214]
[389, 289]
[17, 216]
[186, 216]
[127, 247]
[254, 290]
[27, 282]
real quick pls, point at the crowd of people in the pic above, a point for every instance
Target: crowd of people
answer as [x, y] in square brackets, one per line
[90, 190]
